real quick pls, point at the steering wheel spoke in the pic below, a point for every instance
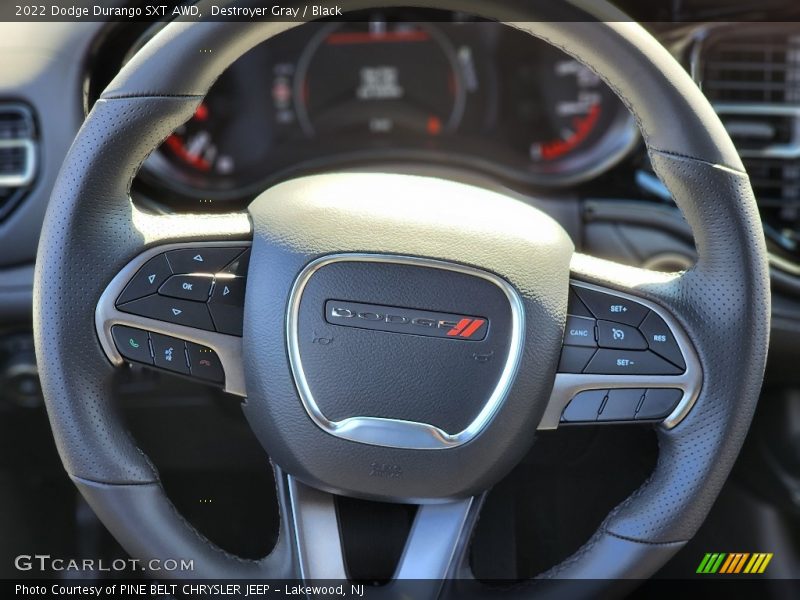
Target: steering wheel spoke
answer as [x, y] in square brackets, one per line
[179, 307]
[625, 358]
[433, 550]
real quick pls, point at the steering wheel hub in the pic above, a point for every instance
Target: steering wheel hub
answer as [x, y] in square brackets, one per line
[402, 351]
[397, 342]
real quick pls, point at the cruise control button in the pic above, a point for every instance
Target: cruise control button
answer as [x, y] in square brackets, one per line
[612, 308]
[205, 363]
[188, 287]
[574, 359]
[147, 279]
[229, 290]
[621, 405]
[584, 407]
[201, 260]
[132, 343]
[617, 335]
[171, 310]
[629, 362]
[169, 353]
[658, 403]
[661, 340]
[579, 332]
[577, 308]
[227, 319]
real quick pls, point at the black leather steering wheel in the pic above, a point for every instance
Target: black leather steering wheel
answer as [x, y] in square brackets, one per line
[384, 245]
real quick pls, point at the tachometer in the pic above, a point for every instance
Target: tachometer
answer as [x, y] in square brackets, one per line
[566, 120]
[379, 78]
[194, 146]
[221, 152]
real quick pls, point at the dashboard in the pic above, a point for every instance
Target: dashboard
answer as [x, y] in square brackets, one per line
[394, 88]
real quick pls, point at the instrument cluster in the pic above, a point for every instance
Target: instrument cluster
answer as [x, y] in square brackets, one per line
[475, 95]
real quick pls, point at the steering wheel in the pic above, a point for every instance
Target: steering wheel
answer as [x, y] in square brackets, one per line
[401, 338]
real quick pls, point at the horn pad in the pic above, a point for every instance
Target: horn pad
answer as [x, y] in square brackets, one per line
[403, 352]
[420, 334]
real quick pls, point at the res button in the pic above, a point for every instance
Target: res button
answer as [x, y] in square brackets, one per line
[661, 340]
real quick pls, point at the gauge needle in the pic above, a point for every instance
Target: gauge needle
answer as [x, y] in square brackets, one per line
[198, 144]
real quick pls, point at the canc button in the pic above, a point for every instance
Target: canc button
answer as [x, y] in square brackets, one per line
[579, 332]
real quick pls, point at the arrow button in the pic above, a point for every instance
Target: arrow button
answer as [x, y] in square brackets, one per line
[147, 280]
[229, 290]
[171, 310]
[203, 260]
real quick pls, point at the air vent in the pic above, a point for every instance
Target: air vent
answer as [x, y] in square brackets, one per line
[751, 74]
[17, 154]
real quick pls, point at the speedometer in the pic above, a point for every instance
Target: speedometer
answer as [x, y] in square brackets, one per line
[379, 78]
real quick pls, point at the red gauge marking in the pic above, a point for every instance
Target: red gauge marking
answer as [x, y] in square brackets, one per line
[583, 127]
[201, 114]
[340, 38]
[175, 144]
[434, 125]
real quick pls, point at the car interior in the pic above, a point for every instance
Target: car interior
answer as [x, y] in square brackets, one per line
[486, 295]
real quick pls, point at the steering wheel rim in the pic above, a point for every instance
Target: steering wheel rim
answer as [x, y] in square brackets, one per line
[689, 149]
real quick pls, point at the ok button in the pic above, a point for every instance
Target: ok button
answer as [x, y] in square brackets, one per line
[188, 287]
[579, 332]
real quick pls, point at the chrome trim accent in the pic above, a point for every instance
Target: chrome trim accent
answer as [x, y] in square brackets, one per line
[764, 109]
[26, 176]
[439, 533]
[396, 433]
[691, 381]
[435, 540]
[316, 533]
[787, 151]
[777, 151]
[106, 315]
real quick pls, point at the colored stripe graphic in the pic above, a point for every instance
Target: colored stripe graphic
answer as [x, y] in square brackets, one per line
[476, 324]
[459, 327]
[711, 562]
[759, 562]
[734, 563]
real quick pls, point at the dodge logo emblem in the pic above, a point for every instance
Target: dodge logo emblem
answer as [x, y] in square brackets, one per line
[406, 320]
